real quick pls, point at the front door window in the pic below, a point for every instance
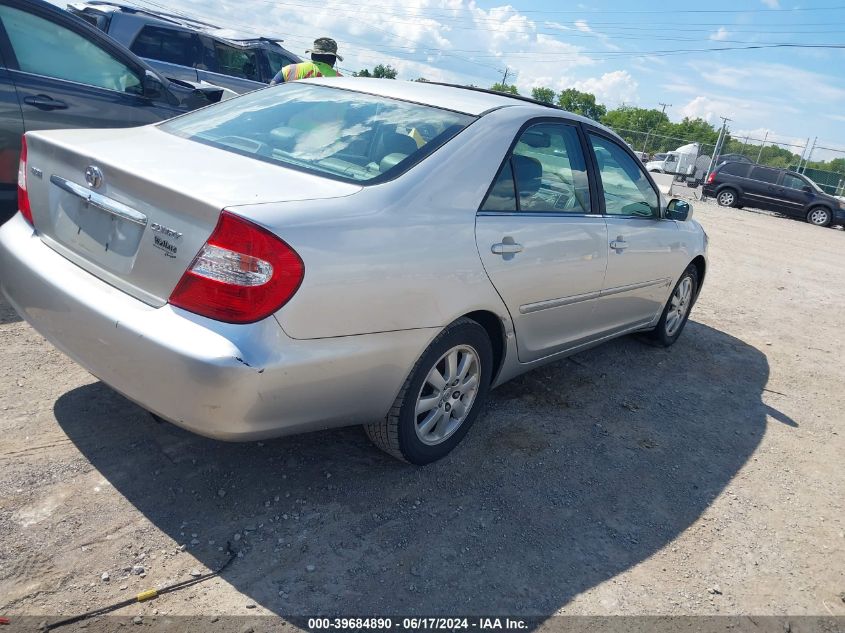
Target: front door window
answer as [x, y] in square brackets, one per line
[626, 188]
[51, 50]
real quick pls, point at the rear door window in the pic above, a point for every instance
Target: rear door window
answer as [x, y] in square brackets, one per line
[546, 173]
[736, 169]
[173, 46]
[764, 174]
[237, 62]
[45, 48]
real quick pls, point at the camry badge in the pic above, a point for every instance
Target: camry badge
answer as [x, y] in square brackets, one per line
[93, 176]
[160, 228]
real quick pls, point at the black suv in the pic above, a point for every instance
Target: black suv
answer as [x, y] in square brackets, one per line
[741, 184]
[189, 49]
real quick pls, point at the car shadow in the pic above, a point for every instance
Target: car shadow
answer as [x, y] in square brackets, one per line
[7, 313]
[574, 473]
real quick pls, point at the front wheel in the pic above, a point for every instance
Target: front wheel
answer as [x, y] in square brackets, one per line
[441, 398]
[677, 309]
[820, 216]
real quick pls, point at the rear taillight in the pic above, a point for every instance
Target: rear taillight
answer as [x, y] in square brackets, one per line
[711, 177]
[23, 195]
[242, 274]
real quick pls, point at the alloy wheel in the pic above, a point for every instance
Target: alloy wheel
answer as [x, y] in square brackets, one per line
[819, 217]
[726, 199]
[679, 306]
[447, 394]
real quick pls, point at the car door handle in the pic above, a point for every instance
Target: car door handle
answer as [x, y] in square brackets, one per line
[619, 244]
[44, 102]
[504, 248]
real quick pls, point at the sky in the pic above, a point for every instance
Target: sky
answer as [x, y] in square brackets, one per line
[621, 51]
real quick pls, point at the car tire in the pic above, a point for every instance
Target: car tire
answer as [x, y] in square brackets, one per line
[727, 198]
[677, 309]
[424, 437]
[819, 216]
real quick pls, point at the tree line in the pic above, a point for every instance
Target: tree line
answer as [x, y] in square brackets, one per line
[650, 130]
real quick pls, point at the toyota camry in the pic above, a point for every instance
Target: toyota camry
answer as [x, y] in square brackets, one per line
[343, 252]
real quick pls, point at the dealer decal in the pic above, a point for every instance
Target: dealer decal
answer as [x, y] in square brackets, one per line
[164, 245]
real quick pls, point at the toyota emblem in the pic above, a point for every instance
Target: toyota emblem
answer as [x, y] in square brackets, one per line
[93, 176]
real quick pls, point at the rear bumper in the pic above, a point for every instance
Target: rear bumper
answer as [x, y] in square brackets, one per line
[839, 217]
[229, 382]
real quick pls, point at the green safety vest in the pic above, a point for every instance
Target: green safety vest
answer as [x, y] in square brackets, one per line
[304, 70]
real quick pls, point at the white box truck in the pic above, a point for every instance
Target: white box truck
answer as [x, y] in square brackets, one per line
[684, 163]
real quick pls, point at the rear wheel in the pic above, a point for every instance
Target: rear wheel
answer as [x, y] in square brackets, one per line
[820, 216]
[727, 198]
[441, 398]
[677, 309]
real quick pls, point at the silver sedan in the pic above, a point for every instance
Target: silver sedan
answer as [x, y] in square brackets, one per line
[343, 251]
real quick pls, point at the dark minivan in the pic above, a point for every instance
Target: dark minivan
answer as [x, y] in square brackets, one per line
[795, 195]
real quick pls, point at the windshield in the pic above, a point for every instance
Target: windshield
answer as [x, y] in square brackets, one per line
[339, 133]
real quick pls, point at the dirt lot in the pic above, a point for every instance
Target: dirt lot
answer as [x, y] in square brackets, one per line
[705, 479]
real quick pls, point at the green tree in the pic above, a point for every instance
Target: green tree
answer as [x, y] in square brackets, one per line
[379, 72]
[635, 125]
[546, 95]
[500, 87]
[583, 103]
[384, 72]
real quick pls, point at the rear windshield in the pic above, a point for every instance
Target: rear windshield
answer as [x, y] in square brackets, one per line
[338, 133]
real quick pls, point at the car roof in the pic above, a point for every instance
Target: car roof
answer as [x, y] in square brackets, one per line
[230, 35]
[464, 99]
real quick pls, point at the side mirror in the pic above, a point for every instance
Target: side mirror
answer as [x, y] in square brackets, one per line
[807, 189]
[153, 88]
[679, 210]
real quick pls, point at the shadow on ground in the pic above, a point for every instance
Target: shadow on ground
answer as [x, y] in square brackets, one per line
[7, 313]
[574, 473]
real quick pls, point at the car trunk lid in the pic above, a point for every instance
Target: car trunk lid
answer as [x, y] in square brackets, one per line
[134, 207]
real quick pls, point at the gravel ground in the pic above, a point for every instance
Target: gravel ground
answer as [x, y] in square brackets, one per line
[704, 479]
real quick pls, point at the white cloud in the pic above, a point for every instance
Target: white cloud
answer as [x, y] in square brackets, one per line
[611, 88]
[772, 4]
[719, 34]
[446, 40]
[582, 26]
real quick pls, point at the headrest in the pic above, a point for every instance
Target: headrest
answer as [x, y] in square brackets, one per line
[529, 174]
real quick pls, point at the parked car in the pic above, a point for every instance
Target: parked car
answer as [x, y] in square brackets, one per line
[190, 49]
[243, 276]
[795, 195]
[733, 158]
[56, 71]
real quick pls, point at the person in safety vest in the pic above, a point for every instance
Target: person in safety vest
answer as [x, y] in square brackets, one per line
[323, 58]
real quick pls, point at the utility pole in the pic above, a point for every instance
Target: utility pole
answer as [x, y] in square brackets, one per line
[505, 77]
[762, 145]
[648, 133]
[810, 155]
[803, 151]
[716, 150]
